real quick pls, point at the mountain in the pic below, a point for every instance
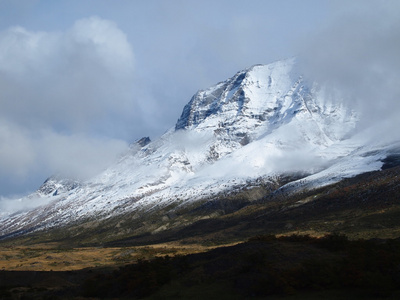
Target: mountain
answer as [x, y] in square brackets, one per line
[264, 130]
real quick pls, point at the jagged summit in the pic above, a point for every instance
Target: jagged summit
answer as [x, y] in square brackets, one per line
[251, 93]
[263, 123]
[57, 184]
[260, 99]
[144, 141]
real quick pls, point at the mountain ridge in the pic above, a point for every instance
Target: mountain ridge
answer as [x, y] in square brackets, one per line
[263, 123]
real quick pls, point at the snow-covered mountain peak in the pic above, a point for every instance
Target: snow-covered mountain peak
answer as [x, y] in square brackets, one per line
[250, 93]
[260, 99]
[263, 122]
[56, 184]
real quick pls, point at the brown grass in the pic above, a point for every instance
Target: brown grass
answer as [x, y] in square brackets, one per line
[46, 257]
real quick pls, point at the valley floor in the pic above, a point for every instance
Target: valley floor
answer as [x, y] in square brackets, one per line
[264, 267]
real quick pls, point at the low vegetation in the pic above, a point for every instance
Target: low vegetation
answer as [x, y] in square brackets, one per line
[292, 267]
[52, 257]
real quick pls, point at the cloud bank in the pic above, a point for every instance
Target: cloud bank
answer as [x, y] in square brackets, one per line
[357, 56]
[64, 97]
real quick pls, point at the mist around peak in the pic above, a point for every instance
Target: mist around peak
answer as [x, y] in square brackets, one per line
[356, 58]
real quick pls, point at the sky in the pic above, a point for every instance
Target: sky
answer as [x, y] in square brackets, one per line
[82, 79]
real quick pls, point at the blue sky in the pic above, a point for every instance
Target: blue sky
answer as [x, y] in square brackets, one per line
[80, 80]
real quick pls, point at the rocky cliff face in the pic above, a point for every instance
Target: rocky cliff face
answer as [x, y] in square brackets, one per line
[55, 185]
[251, 98]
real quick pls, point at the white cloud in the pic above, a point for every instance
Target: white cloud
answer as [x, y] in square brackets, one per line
[11, 205]
[105, 40]
[77, 156]
[68, 79]
[64, 97]
[28, 155]
[358, 55]
[16, 155]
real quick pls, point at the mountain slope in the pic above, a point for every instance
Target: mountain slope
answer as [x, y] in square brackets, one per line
[264, 124]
